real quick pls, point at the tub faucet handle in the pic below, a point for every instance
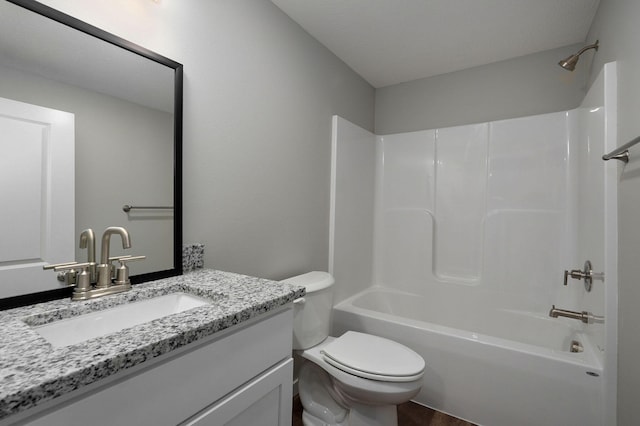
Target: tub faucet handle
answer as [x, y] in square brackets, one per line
[574, 273]
[587, 275]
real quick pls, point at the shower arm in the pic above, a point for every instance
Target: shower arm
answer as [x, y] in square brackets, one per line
[591, 46]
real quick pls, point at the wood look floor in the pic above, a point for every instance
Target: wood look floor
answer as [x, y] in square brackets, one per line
[409, 414]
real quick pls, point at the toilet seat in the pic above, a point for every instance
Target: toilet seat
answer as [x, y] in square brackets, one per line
[359, 389]
[373, 357]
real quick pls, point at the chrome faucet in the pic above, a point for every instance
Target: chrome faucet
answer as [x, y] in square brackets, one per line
[88, 241]
[105, 268]
[91, 280]
[584, 316]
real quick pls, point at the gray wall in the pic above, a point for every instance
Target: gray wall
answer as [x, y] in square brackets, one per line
[259, 96]
[528, 85]
[616, 26]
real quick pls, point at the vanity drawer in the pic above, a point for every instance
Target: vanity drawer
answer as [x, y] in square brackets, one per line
[176, 389]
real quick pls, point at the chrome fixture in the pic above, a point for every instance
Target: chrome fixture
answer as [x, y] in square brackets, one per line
[127, 208]
[569, 63]
[584, 316]
[587, 275]
[82, 280]
[91, 280]
[122, 273]
[68, 277]
[105, 268]
[576, 347]
[88, 241]
[622, 152]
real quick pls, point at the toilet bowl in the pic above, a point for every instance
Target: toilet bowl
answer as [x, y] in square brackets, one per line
[356, 379]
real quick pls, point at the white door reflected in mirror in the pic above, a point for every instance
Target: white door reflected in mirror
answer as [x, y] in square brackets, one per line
[37, 190]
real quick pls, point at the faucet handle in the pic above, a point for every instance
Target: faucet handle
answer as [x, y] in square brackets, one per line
[66, 277]
[575, 274]
[587, 275]
[122, 274]
[72, 266]
[55, 265]
[124, 259]
[82, 280]
[70, 276]
[114, 258]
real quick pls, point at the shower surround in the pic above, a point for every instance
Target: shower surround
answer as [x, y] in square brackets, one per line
[464, 233]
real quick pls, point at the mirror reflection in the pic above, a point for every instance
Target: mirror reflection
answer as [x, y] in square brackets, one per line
[123, 109]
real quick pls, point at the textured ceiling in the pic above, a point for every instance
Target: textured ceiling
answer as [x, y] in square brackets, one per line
[393, 41]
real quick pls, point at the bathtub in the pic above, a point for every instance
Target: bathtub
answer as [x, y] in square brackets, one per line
[493, 367]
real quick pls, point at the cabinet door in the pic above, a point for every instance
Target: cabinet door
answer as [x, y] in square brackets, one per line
[265, 401]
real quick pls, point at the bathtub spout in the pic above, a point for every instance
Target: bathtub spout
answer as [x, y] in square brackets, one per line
[584, 316]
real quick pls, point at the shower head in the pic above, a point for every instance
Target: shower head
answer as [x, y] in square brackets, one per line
[569, 63]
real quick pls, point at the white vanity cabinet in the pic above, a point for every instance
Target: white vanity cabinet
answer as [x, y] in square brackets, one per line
[239, 376]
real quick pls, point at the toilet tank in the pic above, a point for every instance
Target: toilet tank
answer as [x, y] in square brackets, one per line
[312, 313]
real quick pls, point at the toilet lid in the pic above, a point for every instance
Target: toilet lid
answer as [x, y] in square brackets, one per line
[374, 357]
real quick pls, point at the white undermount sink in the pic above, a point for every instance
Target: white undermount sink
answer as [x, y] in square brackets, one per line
[95, 324]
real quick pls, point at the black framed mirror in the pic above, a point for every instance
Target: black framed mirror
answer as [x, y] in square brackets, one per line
[51, 59]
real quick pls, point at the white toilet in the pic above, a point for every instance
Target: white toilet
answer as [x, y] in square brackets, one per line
[356, 379]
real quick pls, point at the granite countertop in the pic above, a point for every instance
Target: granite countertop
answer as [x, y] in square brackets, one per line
[32, 371]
